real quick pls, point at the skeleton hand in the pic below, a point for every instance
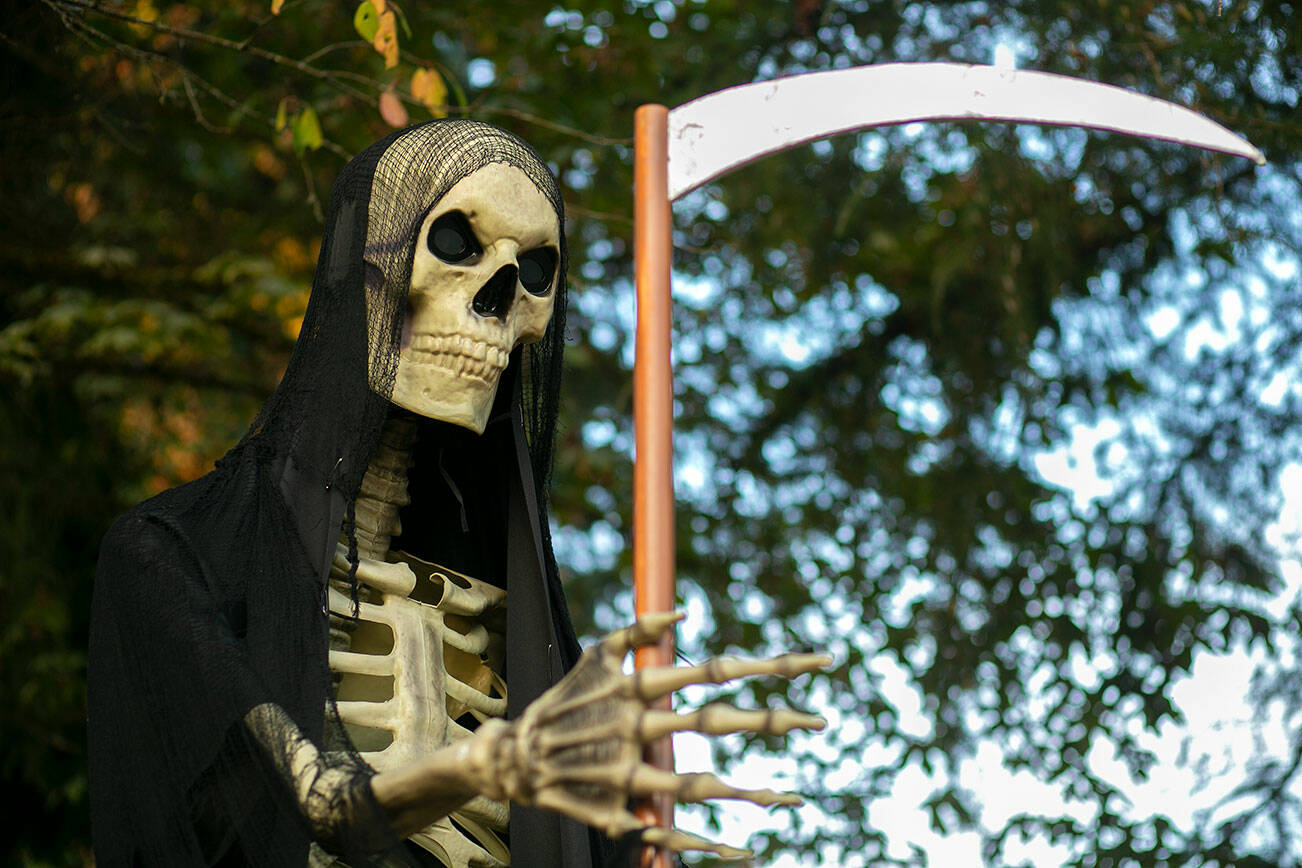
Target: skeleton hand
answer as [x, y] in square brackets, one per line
[577, 749]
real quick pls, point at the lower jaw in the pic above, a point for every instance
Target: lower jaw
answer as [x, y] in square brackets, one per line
[436, 392]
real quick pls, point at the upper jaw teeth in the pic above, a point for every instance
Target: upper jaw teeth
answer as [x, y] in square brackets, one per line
[465, 355]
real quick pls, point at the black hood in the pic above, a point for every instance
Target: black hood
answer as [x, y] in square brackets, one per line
[209, 598]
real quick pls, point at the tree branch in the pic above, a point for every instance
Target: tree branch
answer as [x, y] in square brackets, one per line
[528, 118]
[337, 78]
[221, 42]
[84, 29]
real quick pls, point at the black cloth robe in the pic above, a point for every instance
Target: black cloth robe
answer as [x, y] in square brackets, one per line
[210, 598]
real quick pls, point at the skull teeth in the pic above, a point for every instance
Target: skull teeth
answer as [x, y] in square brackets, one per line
[465, 356]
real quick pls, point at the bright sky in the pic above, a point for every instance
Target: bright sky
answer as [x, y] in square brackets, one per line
[1212, 698]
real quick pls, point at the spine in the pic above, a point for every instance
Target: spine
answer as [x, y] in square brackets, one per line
[382, 495]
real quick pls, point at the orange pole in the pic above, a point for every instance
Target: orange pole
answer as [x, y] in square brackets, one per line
[653, 420]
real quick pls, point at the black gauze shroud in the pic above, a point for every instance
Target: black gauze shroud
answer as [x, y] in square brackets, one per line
[209, 597]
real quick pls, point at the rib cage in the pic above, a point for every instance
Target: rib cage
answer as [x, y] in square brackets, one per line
[426, 651]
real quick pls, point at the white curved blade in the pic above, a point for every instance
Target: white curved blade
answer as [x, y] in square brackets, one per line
[723, 130]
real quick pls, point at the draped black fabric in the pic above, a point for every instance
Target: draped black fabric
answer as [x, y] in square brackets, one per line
[209, 598]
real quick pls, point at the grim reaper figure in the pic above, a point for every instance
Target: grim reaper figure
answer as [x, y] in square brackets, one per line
[348, 643]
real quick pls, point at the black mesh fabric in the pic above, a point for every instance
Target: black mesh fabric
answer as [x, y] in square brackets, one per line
[209, 598]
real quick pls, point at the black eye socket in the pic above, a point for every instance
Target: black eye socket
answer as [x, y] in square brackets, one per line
[537, 268]
[451, 239]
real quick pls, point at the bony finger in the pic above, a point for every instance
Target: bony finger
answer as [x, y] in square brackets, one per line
[615, 822]
[646, 630]
[791, 665]
[620, 823]
[678, 841]
[720, 719]
[658, 681]
[648, 780]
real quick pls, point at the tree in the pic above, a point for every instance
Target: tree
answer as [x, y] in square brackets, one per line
[883, 335]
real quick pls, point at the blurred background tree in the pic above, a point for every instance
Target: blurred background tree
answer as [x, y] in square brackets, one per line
[885, 344]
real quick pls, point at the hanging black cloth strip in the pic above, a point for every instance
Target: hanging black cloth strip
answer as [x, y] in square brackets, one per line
[534, 662]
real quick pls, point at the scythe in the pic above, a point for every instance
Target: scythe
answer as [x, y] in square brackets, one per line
[678, 150]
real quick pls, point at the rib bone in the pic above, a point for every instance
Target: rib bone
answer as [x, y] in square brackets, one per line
[404, 673]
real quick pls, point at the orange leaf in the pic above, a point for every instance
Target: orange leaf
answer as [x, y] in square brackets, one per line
[392, 109]
[428, 87]
[275, 6]
[386, 39]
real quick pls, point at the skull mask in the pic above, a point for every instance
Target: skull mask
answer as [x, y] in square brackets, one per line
[483, 281]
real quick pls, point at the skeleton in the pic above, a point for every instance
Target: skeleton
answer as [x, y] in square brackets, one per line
[427, 644]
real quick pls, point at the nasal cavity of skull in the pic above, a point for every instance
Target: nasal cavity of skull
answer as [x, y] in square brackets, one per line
[494, 299]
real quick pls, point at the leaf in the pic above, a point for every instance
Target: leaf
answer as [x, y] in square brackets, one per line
[307, 131]
[276, 6]
[402, 19]
[428, 87]
[366, 20]
[386, 40]
[280, 115]
[392, 109]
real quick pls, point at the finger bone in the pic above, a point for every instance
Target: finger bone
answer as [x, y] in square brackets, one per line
[552, 741]
[654, 682]
[677, 841]
[646, 630]
[584, 700]
[648, 780]
[615, 822]
[621, 823]
[720, 719]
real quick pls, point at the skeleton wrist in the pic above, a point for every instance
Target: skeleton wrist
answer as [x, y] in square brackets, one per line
[343, 815]
[497, 763]
[333, 792]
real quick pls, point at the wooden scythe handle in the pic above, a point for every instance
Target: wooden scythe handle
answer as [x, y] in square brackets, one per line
[653, 420]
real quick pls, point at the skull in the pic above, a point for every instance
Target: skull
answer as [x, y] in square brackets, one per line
[483, 282]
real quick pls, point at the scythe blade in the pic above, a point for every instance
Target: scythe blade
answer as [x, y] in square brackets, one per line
[718, 132]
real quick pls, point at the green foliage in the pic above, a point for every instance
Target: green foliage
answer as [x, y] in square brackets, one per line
[307, 131]
[366, 20]
[877, 338]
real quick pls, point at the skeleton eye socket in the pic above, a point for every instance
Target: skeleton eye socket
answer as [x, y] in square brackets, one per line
[451, 239]
[537, 267]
